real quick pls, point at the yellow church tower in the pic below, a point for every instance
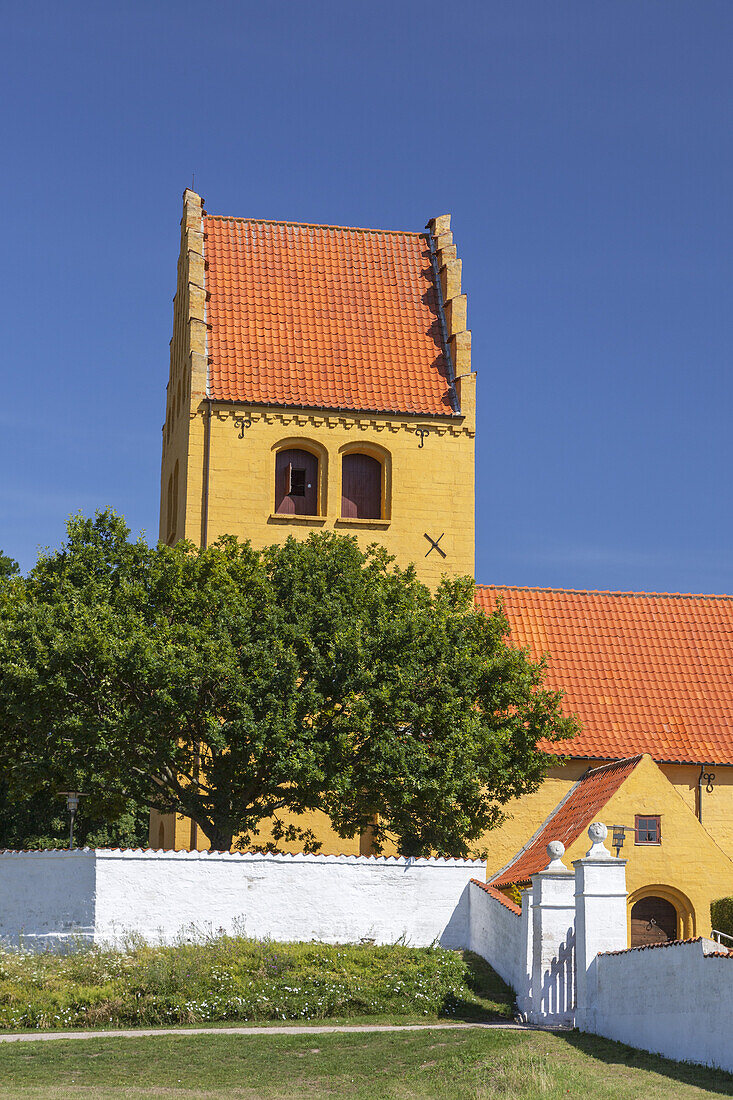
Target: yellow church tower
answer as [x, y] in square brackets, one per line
[320, 379]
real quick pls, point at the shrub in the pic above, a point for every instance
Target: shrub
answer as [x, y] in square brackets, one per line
[234, 978]
[721, 915]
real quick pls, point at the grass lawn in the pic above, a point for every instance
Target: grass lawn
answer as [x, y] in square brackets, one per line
[430, 1065]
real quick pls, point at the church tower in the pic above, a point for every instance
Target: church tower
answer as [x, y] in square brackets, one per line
[320, 379]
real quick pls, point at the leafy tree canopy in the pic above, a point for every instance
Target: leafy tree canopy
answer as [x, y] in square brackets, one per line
[236, 686]
[8, 567]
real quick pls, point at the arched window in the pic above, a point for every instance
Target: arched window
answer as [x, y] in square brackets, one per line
[296, 483]
[361, 487]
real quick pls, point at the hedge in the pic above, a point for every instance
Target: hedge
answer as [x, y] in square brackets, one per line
[721, 915]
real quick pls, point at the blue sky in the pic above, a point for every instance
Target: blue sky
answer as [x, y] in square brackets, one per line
[584, 149]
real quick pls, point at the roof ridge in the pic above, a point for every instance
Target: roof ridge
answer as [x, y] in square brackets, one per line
[609, 592]
[318, 225]
[612, 764]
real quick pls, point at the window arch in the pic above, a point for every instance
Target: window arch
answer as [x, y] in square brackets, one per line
[172, 509]
[361, 486]
[686, 915]
[296, 482]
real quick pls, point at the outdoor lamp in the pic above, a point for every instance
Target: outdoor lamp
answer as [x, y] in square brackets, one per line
[72, 805]
[619, 836]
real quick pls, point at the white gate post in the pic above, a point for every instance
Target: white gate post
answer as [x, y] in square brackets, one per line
[553, 923]
[600, 918]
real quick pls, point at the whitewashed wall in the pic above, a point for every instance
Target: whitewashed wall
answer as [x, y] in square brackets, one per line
[103, 895]
[500, 936]
[46, 898]
[675, 999]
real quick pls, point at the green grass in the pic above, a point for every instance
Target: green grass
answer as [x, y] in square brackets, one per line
[232, 978]
[429, 1065]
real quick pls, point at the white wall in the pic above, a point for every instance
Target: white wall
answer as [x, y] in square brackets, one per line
[676, 1000]
[46, 898]
[107, 894]
[500, 936]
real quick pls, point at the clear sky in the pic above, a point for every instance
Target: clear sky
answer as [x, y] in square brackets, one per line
[584, 149]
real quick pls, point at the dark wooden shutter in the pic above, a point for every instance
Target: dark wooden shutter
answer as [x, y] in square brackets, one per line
[361, 487]
[653, 920]
[294, 504]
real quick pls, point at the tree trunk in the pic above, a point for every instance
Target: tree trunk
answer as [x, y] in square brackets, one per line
[220, 837]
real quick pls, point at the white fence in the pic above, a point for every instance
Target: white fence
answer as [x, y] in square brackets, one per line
[498, 931]
[101, 895]
[674, 999]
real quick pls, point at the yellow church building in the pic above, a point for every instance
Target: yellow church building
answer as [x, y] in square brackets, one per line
[321, 379]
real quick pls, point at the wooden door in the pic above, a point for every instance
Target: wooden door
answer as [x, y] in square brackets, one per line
[296, 483]
[361, 487]
[653, 920]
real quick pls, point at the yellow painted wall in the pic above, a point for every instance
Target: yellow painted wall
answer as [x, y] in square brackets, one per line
[688, 867]
[427, 488]
[717, 805]
[528, 813]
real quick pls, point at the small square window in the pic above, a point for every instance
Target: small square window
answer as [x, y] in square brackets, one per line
[297, 482]
[648, 829]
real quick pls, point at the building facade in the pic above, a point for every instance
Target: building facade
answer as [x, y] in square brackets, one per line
[321, 379]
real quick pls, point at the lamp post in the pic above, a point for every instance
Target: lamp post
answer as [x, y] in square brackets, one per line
[72, 805]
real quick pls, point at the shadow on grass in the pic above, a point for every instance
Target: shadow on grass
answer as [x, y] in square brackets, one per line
[494, 1000]
[618, 1054]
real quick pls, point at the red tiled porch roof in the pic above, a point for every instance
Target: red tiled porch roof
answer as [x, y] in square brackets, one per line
[568, 820]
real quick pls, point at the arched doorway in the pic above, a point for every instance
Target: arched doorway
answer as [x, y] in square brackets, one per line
[653, 920]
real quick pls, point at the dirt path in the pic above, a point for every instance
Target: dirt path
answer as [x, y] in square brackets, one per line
[295, 1029]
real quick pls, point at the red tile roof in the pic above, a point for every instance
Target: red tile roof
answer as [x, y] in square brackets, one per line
[498, 896]
[644, 672]
[568, 820]
[323, 317]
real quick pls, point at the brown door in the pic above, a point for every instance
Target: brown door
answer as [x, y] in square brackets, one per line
[361, 487]
[653, 920]
[296, 483]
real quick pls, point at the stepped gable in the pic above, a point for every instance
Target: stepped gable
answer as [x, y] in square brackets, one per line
[568, 820]
[644, 672]
[326, 317]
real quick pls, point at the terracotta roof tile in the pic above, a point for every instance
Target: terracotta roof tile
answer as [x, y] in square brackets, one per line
[498, 896]
[322, 316]
[644, 672]
[568, 820]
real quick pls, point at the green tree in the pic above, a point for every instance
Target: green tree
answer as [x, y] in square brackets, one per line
[40, 820]
[8, 567]
[235, 685]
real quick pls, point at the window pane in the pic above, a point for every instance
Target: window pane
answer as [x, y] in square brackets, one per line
[648, 830]
[296, 483]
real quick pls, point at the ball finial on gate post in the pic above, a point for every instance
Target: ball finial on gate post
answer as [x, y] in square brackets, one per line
[556, 850]
[598, 833]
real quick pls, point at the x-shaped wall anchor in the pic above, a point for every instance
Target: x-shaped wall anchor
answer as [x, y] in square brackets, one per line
[434, 545]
